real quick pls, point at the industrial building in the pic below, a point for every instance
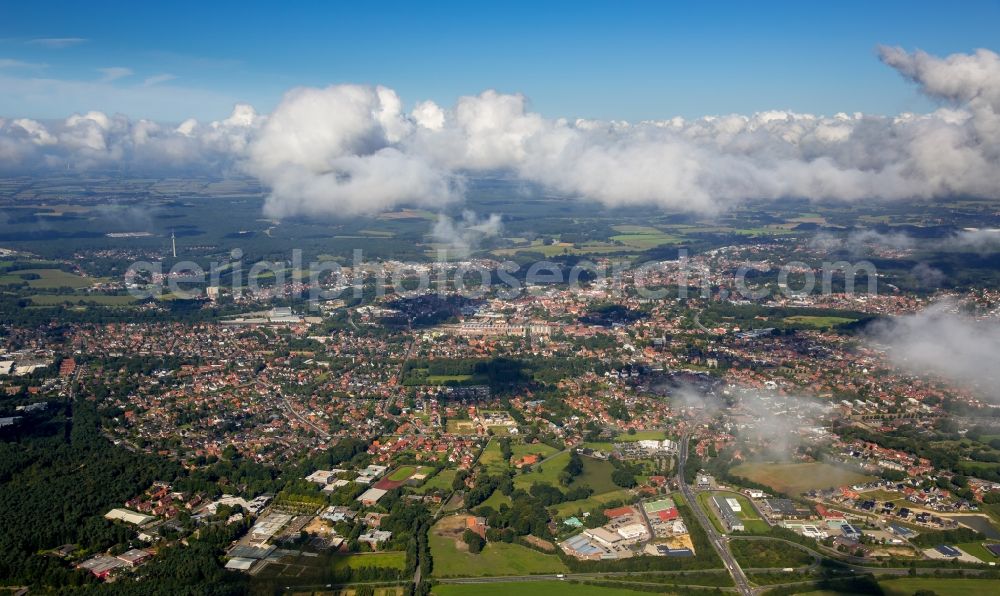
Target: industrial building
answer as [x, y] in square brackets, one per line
[727, 514]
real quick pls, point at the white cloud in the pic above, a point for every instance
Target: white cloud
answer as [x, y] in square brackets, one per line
[11, 63]
[939, 340]
[57, 43]
[157, 79]
[94, 139]
[113, 73]
[351, 149]
[336, 151]
[461, 236]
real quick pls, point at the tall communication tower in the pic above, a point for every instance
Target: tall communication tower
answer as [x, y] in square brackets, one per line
[173, 243]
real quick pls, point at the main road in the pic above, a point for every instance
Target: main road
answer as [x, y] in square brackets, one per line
[718, 541]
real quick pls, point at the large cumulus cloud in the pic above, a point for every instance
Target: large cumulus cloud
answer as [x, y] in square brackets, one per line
[94, 141]
[352, 149]
[338, 150]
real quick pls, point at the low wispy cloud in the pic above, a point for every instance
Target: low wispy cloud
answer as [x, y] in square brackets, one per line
[462, 236]
[12, 63]
[57, 43]
[944, 341]
[157, 79]
[861, 242]
[113, 73]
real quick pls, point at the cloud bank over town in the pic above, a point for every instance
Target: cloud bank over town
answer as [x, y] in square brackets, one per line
[352, 149]
[942, 341]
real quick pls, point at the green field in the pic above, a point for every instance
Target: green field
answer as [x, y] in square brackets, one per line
[440, 481]
[392, 560]
[599, 446]
[492, 458]
[442, 379]
[796, 478]
[497, 558]
[646, 240]
[976, 549]
[403, 472]
[520, 450]
[941, 587]
[546, 472]
[597, 475]
[563, 248]
[73, 299]
[495, 500]
[48, 279]
[548, 588]
[817, 322]
[570, 507]
[641, 435]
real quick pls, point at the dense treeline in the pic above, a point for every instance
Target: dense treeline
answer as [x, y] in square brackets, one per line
[194, 568]
[956, 536]
[56, 487]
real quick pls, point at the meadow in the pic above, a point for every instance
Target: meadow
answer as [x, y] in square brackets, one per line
[47, 279]
[497, 558]
[796, 478]
[938, 586]
[548, 588]
[391, 560]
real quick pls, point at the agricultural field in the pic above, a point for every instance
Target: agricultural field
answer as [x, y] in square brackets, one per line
[442, 379]
[452, 559]
[816, 322]
[939, 586]
[797, 478]
[564, 248]
[548, 588]
[46, 279]
[643, 237]
[74, 299]
[571, 507]
[303, 569]
[391, 560]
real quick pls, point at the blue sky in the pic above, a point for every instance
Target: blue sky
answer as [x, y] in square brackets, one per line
[624, 60]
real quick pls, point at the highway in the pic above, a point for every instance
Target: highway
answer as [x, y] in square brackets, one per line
[719, 542]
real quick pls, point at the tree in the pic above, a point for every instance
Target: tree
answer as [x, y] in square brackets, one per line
[623, 478]
[475, 541]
